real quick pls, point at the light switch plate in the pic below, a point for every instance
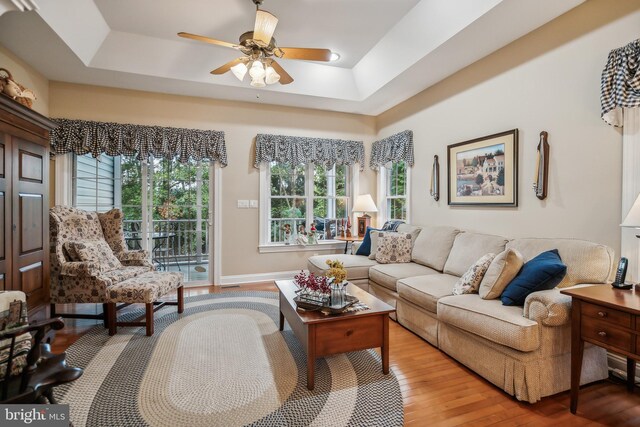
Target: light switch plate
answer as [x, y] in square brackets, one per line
[243, 204]
[253, 204]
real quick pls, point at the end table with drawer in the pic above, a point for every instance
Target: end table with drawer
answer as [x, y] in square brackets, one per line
[606, 317]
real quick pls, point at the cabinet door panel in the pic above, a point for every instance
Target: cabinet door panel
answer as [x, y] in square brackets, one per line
[30, 212]
[30, 247]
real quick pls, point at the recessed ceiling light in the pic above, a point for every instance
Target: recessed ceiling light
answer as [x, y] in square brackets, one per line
[334, 56]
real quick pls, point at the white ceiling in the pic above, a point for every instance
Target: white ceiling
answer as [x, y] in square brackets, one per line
[390, 49]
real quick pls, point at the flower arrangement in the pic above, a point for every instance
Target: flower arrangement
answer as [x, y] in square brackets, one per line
[336, 271]
[312, 283]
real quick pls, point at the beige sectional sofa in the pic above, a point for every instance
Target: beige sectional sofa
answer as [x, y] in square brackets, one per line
[523, 350]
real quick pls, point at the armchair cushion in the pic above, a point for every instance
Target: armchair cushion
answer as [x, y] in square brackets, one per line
[95, 251]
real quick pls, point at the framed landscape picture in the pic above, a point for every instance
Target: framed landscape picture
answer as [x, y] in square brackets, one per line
[484, 171]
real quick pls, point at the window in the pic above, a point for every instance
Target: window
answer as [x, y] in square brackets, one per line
[394, 200]
[304, 194]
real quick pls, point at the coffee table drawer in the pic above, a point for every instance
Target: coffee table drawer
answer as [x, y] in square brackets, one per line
[347, 335]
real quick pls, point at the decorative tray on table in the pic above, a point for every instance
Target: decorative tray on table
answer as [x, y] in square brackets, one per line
[308, 305]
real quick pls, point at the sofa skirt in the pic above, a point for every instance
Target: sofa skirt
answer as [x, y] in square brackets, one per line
[528, 376]
[417, 320]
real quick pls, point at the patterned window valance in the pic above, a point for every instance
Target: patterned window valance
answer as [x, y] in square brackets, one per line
[114, 139]
[395, 148]
[296, 150]
[620, 83]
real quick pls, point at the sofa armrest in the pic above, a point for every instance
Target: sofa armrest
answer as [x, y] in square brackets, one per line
[549, 308]
[80, 269]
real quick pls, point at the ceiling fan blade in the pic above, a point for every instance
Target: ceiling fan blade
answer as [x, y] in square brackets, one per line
[304, 53]
[285, 78]
[207, 40]
[226, 67]
[265, 26]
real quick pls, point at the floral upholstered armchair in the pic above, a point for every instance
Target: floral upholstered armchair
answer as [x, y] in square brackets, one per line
[88, 255]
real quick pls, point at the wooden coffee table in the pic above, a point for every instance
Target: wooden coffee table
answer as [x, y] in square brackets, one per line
[325, 335]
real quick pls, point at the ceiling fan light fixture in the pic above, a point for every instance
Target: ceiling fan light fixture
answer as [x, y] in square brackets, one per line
[239, 70]
[257, 70]
[258, 82]
[271, 76]
[334, 56]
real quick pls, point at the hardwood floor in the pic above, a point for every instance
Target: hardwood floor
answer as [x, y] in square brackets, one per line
[438, 391]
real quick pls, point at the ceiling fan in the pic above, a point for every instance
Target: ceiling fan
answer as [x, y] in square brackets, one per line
[259, 47]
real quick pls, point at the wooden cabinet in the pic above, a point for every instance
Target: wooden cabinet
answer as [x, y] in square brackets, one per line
[24, 202]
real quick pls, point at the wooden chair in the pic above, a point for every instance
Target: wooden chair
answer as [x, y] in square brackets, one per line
[28, 369]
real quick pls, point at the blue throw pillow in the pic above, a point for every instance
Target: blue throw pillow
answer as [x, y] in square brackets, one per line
[365, 247]
[539, 274]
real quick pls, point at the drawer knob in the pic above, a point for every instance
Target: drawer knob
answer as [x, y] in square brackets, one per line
[602, 314]
[602, 333]
[349, 332]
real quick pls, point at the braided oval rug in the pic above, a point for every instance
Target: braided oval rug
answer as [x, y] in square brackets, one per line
[222, 362]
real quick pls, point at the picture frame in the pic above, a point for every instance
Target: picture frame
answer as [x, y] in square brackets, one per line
[484, 171]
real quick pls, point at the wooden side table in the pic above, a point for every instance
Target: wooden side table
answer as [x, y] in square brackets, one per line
[608, 318]
[349, 239]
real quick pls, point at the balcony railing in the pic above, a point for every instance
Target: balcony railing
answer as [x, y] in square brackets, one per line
[181, 240]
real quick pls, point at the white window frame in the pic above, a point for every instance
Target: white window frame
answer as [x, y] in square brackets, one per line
[264, 246]
[383, 215]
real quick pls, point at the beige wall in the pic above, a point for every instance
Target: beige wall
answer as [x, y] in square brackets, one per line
[27, 77]
[548, 80]
[240, 122]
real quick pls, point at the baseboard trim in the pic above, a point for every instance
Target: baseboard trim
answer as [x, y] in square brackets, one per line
[619, 364]
[241, 279]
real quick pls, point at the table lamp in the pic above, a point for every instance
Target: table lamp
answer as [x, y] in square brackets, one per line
[632, 220]
[364, 203]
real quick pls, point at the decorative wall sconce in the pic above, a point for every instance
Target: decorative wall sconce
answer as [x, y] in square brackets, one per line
[434, 189]
[542, 167]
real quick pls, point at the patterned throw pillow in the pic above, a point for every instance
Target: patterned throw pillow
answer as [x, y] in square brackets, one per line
[394, 248]
[96, 251]
[111, 223]
[470, 281]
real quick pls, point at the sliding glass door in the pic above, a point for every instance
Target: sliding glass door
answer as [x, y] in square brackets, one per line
[166, 207]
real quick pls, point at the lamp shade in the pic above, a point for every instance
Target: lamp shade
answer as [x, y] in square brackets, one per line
[257, 70]
[633, 217]
[239, 70]
[271, 76]
[258, 82]
[364, 203]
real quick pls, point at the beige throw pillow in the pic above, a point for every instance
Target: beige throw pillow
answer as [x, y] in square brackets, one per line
[393, 248]
[470, 281]
[373, 235]
[505, 266]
